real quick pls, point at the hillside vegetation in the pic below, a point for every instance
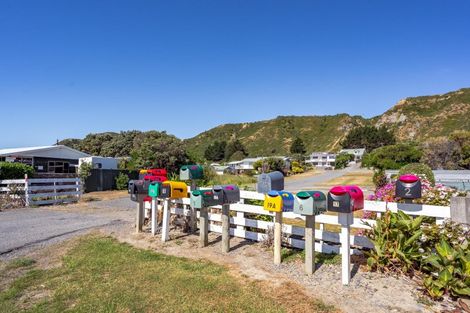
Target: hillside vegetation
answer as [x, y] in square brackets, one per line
[417, 119]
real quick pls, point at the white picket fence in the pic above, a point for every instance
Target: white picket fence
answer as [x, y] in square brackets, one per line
[42, 191]
[327, 241]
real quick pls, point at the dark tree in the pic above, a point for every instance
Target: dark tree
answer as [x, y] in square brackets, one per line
[234, 146]
[297, 146]
[368, 137]
[215, 151]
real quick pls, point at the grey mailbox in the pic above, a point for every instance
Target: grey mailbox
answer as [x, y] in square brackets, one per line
[408, 187]
[204, 198]
[310, 202]
[136, 188]
[227, 193]
[270, 181]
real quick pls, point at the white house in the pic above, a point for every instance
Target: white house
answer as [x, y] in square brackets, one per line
[105, 163]
[322, 159]
[358, 153]
[247, 164]
[45, 159]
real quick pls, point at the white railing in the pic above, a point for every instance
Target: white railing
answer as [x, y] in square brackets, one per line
[327, 236]
[41, 191]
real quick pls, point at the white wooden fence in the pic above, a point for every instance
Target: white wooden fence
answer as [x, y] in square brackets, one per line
[40, 191]
[328, 241]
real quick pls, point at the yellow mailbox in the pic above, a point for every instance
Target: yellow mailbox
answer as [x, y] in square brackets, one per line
[173, 190]
[273, 202]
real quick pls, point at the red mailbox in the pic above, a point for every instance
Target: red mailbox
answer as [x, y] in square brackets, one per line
[157, 172]
[153, 178]
[408, 186]
[345, 199]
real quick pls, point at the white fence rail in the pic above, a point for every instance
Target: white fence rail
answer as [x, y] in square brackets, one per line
[327, 235]
[41, 191]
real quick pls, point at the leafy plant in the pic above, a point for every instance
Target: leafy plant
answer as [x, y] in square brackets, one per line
[379, 178]
[10, 170]
[396, 245]
[121, 181]
[342, 160]
[392, 157]
[422, 170]
[449, 270]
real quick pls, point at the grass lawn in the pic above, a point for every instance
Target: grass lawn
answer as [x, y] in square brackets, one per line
[240, 180]
[101, 275]
[362, 179]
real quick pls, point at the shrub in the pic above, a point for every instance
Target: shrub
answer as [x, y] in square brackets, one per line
[342, 160]
[122, 181]
[392, 157]
[296, 167]
[10, 170]
[379, 178]
[422, 170]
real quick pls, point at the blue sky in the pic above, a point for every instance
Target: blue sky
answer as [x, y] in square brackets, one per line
[68, 68]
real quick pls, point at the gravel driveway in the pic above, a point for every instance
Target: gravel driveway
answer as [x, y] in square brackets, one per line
[24, 229]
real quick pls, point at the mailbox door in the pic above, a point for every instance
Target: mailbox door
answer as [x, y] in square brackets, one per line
[130, 187]
[264, 184]
[184, 173]
[178, 190]
[303, 203]
[340, 203]
[287, 201]
[408, 187]
[154, 189]
[165, 191]
[272, 202]
[218, 194]
[196, 199]
[277, 180]
[357, 197]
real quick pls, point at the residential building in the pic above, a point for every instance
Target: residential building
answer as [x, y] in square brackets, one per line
[105, 163]
[322, 159]
[358, 153]
[247, 164]
[45, 159]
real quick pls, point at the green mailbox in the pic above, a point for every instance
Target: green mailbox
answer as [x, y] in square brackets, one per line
[154, 189]
[310, 202]
[190, 172]
[203, 198]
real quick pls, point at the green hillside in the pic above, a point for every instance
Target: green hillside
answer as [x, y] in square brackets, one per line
[274, 137]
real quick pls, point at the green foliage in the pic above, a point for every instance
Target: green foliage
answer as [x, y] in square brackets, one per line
[392, 157]
[122, 181]
[298, 146]
[159, 150]
[462, 139]
[297, 168]
[215, 151]
[342, 160]
[379, 178]
[269, 165]
[449, 270]
[422, 170]
[84, 171]
[396, 245]
[368, 137]
[233, 147]
[10, 170]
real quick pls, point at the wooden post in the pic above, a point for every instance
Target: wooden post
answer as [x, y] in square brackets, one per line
[345, 219]
[139, 215]
[166, 221]
[460, 210]
[26, 189]
[310, 244]
[225, 228]
[203, 228]
[277, 237]
[193, 212]
[154, 216]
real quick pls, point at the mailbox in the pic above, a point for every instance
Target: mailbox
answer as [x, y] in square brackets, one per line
[226, 193]
[153, 178]
[345, 199]
[173, 190]
[153, 172]
[203, 198]
[279, 201]
[270, 181]
[136, 188]
[408, 186]
[154, 189]
[310, 202]
[188, 172]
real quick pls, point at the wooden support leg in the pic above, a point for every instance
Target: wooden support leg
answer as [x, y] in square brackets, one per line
[166, 221]
[277, 237]
[203, 228]
[225, 228]
[309, 244]
[139, 215]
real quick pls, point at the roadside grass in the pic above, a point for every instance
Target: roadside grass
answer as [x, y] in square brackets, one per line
[240, 180]
[103, 195]
[101, 275]
[362, 179]
[20, 262]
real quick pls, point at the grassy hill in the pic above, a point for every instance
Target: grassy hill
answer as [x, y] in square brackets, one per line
[420, 118]
[274, 137]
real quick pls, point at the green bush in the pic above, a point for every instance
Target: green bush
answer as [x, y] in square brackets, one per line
[422, 170]
[121, 181]
[10, 170]
[392, 157]
[379, 178]
[342, 160]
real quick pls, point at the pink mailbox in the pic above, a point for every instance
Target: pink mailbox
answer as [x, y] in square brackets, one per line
[345, 199]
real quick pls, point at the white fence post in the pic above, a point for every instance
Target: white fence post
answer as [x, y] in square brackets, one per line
[26, 190]
[460, 210]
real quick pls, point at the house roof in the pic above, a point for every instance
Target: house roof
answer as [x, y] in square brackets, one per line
[57, 151]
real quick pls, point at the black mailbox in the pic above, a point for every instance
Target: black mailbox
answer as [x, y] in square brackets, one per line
[226, 194]
[408, 186]
[345, 199]
[136, 188]
[270, 181]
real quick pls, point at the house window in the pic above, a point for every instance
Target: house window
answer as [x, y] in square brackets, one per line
[57, 167]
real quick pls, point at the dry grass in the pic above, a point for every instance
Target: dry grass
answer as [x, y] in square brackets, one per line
[362, 179]
[104, 195]
[309, 173]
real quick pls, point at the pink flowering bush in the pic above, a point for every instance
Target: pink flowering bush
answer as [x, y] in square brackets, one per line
[431, 195]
